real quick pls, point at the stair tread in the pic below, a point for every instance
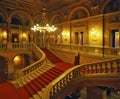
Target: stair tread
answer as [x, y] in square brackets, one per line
[45, 76]
[50, 74]
[57, 70]
[29, 89]
[38, 84]
[34, 86]
[54, 72]
[23, 93]
[42, 82]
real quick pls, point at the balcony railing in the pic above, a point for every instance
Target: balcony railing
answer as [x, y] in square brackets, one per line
[3, 46]
[13, 46]
[110, 67]
[86, 49]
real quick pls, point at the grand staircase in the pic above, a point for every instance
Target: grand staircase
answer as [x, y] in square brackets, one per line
[47, 78]
[32, 86]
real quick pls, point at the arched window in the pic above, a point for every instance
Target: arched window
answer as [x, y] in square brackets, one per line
[112, 6]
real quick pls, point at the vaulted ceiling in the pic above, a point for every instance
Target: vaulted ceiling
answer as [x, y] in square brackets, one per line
[37, 5]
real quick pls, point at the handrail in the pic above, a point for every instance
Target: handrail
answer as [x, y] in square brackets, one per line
[106, 67]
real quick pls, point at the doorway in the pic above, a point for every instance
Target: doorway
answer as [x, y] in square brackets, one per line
[15, 38]
[76, 38]
[3, 69]
[81, 38]
[115, 38]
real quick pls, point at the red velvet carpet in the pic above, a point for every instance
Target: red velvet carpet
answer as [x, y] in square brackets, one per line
[8, 91]
[63, 66]
[52, 57]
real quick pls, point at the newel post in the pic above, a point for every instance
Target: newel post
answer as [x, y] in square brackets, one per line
[77, 59]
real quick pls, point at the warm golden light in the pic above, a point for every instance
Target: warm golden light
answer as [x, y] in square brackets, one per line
[17, 58]
[43, 26]
[93, 32]
[47, 28]
[4, 35]
[24, 37]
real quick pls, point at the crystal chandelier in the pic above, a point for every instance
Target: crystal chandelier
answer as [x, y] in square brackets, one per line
[43, 26]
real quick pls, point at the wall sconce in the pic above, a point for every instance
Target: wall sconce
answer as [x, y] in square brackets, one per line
[4, 35]
[65, 35]
[93, 33]
[24, 37]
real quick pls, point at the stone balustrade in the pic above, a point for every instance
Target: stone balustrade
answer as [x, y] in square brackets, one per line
[35, 65]
[102, 67]
[98, 50]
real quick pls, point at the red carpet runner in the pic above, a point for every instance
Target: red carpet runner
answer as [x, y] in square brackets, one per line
[8, 91]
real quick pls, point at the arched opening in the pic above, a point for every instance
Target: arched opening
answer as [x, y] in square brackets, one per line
[79, 14]
[21, 61]
[20, 27]
[112, 6]
[3, 69]
[1, 19]
[16, 21]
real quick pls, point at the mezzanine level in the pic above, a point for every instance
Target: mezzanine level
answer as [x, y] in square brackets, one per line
[100, 51]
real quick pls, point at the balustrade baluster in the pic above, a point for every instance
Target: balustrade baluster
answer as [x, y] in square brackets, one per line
[100, 68]
[55, 89]
[84, 70]
[88, 70]
[114, 66]
[65, 82]
[118, 66]
[52, 92]
[71, 75]
[92, 69]
[96, 68]
[111, 66]
[61, 83]
[106, 68]
[103, 67]
[58, 86]
[67, 79]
